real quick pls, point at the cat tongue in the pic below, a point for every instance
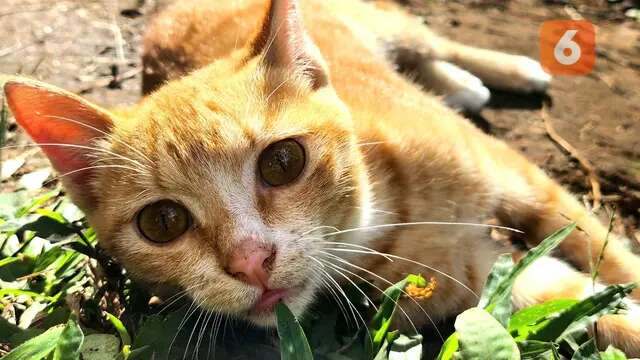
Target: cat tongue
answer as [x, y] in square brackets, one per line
[269, 299]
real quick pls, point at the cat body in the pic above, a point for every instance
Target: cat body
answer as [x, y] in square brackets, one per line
[287, 156]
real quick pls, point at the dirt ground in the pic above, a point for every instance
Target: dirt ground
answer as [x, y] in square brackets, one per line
[92, 48]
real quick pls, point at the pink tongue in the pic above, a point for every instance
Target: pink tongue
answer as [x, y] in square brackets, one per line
[269, 299]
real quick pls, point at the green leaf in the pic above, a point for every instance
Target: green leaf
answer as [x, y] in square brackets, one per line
[293, 342]
[449, 347]
[37, 347]
[382, 353]
[529, 319]
[151, 338]
[37, 203]
[503, 288]
[479, 334]
[538, 350]
[101, 347]
[499, 273]
[381, 321]
[70, 342]
[582, 314]
[612, 354]
[7, 330]
[122, 330]
[587, 351]
[46, 227]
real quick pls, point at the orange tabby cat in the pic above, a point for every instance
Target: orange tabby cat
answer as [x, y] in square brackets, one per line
[280, 157]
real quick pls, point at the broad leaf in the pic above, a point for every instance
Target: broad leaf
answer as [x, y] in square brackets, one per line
[612, 354]
[293, 342]
[101, 347]
[70, 342]
[449, 347]
[479, 334]
[501, 310]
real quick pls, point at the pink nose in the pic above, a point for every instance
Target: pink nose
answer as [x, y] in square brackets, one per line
[251, 262]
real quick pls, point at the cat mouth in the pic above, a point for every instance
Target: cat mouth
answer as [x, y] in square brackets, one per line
[270, 297]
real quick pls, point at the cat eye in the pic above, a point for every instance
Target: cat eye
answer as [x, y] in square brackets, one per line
[281, 162]
[163, 221]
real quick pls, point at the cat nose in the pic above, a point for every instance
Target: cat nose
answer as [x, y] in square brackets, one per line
[251, 262]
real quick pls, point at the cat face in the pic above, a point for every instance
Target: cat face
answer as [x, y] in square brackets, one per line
[216, 174]
[217, 182]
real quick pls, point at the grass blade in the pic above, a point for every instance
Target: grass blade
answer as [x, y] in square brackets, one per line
[582, 314]
[503, 288]
[38, 347]
[587, 351]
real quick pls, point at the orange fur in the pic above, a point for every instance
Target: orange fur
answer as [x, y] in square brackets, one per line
[380, 151]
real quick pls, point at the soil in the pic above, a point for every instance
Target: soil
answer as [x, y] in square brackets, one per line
[93, 48]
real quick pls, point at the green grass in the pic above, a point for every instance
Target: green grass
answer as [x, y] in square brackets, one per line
[61, 296]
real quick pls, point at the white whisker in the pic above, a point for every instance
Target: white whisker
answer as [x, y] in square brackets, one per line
[195, 326]
[411, 261]
[382, 291]
[335, 296]
[354, 310]
[371, 143]
[382, 226]
[89, 168]
[103, 133]
[318, 228]
[76, 146]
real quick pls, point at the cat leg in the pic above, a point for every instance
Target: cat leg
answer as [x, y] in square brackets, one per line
[497, 69]
[460, 89]
[550, 278]
[404, 34]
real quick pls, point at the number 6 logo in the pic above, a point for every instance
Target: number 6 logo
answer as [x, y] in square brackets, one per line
[567, 47]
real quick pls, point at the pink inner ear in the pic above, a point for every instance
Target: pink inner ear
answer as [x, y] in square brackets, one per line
[53, 117]
[288, 44]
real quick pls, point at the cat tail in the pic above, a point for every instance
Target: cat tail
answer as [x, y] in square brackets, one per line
[539, 206]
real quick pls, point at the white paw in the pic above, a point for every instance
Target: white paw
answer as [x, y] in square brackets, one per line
[529, 69]
[468, 91]
[470, 99]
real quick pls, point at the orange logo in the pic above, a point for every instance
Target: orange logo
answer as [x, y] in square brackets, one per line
[567, 47]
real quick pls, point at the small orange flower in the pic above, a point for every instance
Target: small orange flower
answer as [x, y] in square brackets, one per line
[421, 293]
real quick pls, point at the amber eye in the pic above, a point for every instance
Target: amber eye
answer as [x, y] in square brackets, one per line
[281, 162]
[163, 221]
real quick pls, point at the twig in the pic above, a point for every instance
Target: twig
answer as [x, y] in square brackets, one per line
[584, 162]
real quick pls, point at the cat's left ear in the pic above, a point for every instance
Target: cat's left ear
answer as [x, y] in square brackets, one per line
[285, 44]
[65, 126]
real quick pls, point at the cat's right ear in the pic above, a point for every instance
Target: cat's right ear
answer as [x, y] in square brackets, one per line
[285, 45]
[66, 128]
